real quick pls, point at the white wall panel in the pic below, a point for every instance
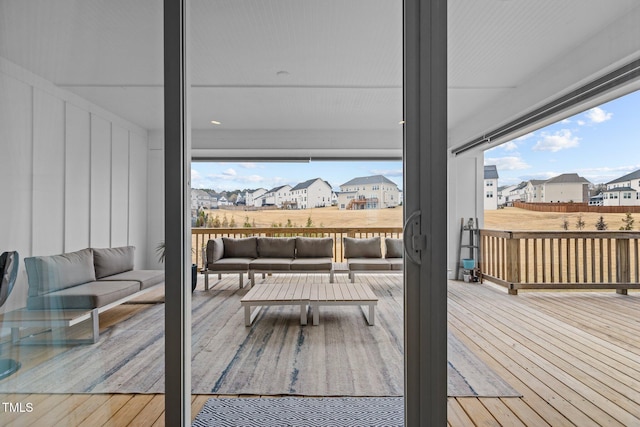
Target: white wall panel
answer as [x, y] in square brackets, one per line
[119, 186]
[15, 174]
[155, 199]
[48, 174]
[100, 182]
[138, 197]
[77, 179]
[58, 170]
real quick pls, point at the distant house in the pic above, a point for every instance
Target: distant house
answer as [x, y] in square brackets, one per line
[277, 196]
[568, 187]
[517, 193]
[504, 193]
[369, 192]
[624, 191]
[313, 193]
[490, 187]
[200, 199]
[254, 197]
[597, 200]
[534, 191]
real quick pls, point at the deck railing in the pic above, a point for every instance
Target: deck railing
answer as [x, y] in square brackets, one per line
[200, 236]
[561, 259]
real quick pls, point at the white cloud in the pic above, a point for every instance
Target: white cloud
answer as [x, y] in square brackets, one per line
[557, 141]
[581, 122]
[509, 163]
[565, 121]
[525, 136]
[510, 146]
[249, 165]
[598, 115]
[230, 172]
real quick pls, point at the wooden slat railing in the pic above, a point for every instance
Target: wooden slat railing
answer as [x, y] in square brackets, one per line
[200, 236]
[561, 259]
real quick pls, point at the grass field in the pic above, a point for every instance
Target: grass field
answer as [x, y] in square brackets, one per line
[320, 217]
[510, 219]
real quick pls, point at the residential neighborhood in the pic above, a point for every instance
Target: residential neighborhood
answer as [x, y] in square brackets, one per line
[370, 192]
[564, 188]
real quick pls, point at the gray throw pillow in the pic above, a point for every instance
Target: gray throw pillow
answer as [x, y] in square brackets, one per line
[362, 248]
[240, 248]
[314, 247]
[53, 273]
[110, 261]
[276, 247]
[394, 248]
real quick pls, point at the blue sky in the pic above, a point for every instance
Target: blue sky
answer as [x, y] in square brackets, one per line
[600, 144]
[233, 176]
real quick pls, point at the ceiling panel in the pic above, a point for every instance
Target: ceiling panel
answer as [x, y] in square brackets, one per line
[311, 64]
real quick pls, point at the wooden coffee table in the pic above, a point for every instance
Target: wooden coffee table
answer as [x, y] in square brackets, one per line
[306, 295]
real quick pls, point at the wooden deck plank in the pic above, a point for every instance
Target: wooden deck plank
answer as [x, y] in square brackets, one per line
[558, 351]
[585, 393]
[456, 416]
[477, 412]
[501, 412]
[153, 410]
[592, 371]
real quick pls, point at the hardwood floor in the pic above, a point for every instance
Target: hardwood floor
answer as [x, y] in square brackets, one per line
[574, 356]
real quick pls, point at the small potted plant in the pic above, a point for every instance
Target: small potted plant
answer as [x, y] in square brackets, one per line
[160, 250]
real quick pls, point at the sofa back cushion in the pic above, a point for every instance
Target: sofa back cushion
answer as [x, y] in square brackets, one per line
[362, 248]
[276, 247]
[394, 248]
[110, 261]
[240, 248]
[314, 247]
[53, 273]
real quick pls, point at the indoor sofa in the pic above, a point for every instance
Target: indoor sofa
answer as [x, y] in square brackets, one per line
[264, 255]
[90, 279]
[364, 255]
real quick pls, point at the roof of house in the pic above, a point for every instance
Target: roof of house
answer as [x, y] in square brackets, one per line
[374, 179]
[567, 178]
[307, 183]
[537, 181]
[619, 189]
[276, 189]
[627, 177]
[490, 172]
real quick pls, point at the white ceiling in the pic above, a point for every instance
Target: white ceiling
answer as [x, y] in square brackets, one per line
[342, 88]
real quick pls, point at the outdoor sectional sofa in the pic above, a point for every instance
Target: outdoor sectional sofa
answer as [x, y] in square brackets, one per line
[264, 255]
[90, 280]
[364, 255]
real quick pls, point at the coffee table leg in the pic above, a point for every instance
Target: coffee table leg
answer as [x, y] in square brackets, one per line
[316, 315]
[303, 314]
[247, 315]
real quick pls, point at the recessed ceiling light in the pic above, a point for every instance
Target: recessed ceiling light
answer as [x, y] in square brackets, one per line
[401, 122]
[215, 122]
[282, 73]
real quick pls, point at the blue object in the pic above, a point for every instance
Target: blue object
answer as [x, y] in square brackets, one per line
[469, 263]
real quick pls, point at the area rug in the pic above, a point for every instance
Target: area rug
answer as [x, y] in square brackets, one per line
[302, 412]
[342, 356]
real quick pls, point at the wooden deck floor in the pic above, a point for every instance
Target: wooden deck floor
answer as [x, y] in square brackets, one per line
[574, 356]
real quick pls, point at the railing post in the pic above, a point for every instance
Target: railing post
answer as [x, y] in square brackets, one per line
[623, 263]
[513, 263]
